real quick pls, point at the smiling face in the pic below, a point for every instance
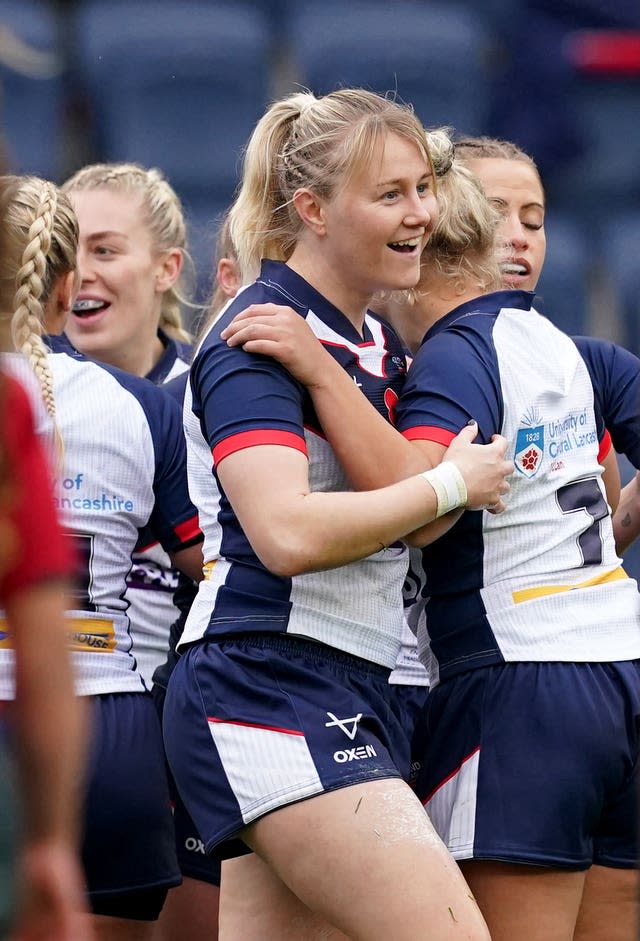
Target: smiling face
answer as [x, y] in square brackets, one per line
[514, 187]
[117, 308]
[374, 227]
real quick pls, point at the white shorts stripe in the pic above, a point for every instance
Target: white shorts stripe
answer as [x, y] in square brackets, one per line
[452, 808]
[284, 759]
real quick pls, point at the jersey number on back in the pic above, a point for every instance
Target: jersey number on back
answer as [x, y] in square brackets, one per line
[585, 495]
[82, 593]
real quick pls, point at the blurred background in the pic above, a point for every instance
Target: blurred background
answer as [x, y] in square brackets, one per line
[179, 84]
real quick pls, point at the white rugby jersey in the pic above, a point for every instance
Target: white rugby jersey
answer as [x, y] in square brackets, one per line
[541, 581]
[124, 469]
[237, 399]
[152, 581]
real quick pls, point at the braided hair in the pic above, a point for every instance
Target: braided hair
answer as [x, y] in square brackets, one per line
[40, 245]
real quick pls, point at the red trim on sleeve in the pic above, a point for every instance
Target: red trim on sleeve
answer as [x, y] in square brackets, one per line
[605, 446]
[189, 529]
[251, 439]
[429, 433]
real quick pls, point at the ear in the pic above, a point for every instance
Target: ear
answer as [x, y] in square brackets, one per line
[68, 286]
[169, 268]
[228, 276]
[310, 208]
[61, 298]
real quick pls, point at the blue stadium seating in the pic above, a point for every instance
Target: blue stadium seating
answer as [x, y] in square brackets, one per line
[565, 284]
[32, 101]
[434, 55]
[203, 222]
[606, 113]
[175, 85]
[619, 246]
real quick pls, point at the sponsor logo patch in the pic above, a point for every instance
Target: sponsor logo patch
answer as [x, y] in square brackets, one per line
[529, 450]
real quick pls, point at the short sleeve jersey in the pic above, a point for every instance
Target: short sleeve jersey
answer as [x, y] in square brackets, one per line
[124, 469]
[542, 580]
[152, 582]
[238, 400]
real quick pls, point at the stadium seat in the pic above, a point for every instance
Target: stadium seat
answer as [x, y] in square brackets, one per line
[603, 99]
[434, 55]
[618, 247]
[32, 92]
[605, 175]
[177, 85]
[203, 223]
[564, 289]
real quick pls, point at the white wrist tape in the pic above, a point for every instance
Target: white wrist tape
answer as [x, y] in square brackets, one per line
[449, 486]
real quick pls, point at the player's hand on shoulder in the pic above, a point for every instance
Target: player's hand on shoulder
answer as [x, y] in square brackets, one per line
[282, 333]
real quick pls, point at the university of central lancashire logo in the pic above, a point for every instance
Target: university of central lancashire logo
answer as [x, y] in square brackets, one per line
[529, 449]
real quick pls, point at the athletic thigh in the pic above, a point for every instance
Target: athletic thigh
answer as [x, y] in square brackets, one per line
[610, 906]
[367, 859]
[527, 903]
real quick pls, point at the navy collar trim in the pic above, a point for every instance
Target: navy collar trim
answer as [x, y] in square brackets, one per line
[169, 355]
[299, 294]
[484, 304]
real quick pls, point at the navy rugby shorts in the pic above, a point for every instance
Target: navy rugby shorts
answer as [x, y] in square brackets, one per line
[535, 763]
[194, 861]
[129, 842]
[260, 722]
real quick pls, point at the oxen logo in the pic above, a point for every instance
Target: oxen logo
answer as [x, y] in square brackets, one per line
[348, 726]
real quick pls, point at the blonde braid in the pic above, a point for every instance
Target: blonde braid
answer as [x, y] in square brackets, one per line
[27, 323]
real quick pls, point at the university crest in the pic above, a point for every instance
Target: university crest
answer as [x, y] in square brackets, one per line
[529, 450]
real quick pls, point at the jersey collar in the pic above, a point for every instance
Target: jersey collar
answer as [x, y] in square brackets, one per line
[491, 303]
[300, 295]
[60, 343]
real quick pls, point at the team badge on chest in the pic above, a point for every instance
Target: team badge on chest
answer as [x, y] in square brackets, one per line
[529, 450]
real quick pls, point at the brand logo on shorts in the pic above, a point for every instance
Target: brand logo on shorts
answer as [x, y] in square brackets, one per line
[194, 845]
[343, 724]
[354, 754]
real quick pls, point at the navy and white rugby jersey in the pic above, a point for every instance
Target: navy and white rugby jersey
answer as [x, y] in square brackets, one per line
[541, 581]
[174, 361]
[409, 669]
[236, 400]
[124, 469]
[152, 582]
